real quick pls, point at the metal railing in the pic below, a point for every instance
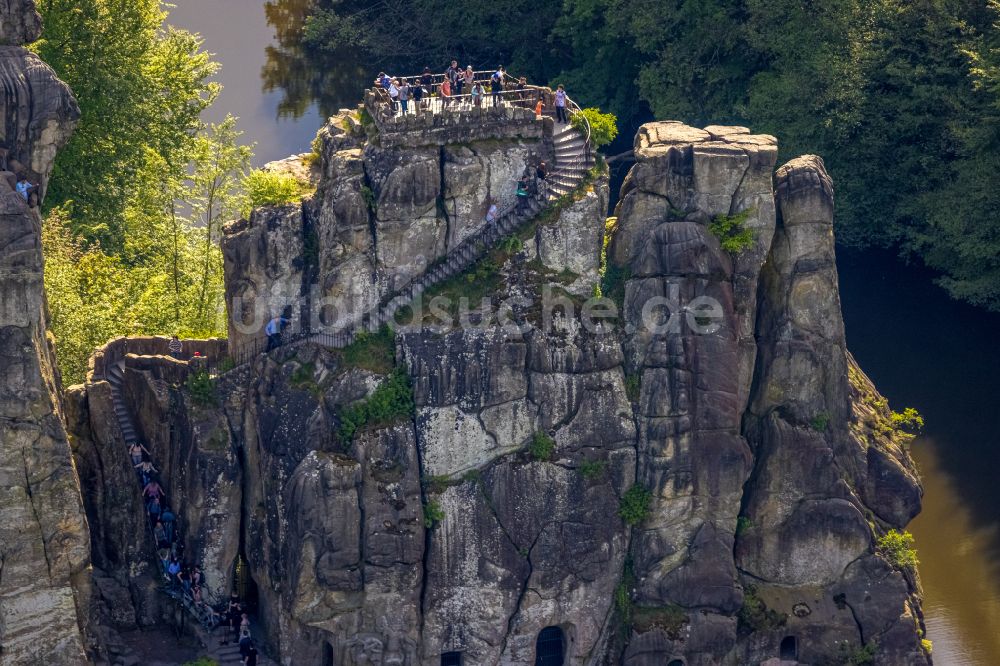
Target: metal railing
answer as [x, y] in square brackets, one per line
[521, 95]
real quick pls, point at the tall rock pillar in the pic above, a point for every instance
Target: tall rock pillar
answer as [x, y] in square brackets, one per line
[44, 541]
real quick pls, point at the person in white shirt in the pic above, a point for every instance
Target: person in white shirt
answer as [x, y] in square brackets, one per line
[561, 105]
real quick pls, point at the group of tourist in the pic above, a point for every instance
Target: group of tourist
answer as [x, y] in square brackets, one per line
[238, 625]
[460, 87]
[182, 578]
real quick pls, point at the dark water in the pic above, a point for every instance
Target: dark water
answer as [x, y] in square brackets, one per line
[921, 349]
[926, 351]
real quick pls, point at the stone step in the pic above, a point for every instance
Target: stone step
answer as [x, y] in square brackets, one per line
[568, 138]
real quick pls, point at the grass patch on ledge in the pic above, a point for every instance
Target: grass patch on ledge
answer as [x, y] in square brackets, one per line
[392, 402]
[267, 188]
[375, 352]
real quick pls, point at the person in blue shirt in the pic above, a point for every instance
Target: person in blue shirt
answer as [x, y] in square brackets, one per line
[273, 330]
[496, 85]
[23, 188]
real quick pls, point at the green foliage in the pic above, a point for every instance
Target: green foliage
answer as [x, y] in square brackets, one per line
[136, 200]
[433, 514]
[634, 506]
[633, 387]
[167, 278]
[436, 483]
[511, 245]
[201, 389]
[316, 147]
[202, 661]
[141, 90]
[603, 126]
[820, 422]
[927, 645]
[742, 525]
[369, 197]
[909, 420]
[591, 469]
[623, 597]
[754, 615]
[613, 284]
[897, 547]
[732, 232]
[268, 188]
[541, 446]
[669, 619]
[390, 402]
[372, 351]
[861, 656]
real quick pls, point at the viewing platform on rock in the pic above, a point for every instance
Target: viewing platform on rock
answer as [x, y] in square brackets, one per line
[458, 118]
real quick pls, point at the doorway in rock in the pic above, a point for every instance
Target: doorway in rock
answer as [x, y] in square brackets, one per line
[244, 584]
[675, 662]
[789, 650]
[451, 659]
[550, 647]
[327, 654]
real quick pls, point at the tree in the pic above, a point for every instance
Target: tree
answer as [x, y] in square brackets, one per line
[214, 197]
[167, 279]
[140, 87]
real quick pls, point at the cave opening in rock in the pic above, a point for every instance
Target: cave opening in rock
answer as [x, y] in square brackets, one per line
[675, 662]
[549, 648]
[327, 654]
[789, 649]
[244, 584]
[451, 659]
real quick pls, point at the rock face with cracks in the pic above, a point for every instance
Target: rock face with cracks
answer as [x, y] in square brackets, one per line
[44, 541]
[702, 480]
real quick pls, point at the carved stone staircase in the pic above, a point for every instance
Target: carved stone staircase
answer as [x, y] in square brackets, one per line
[573, 159]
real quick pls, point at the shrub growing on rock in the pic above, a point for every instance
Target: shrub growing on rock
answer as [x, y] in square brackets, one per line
[732, 232]
[542, 446]
[603, 126]
[433, 514]
[391, 401]
[266, 188]
[754, 615]
[897, 547]
[201, 388]
[634, 507]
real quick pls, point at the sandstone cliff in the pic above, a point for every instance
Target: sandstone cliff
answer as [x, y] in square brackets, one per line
[44, 542]
[702, 482]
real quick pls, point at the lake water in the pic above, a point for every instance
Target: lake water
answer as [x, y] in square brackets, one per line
[921, 349]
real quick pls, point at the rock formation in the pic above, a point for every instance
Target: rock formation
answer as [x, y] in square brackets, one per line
[44, 541]
[702, 480]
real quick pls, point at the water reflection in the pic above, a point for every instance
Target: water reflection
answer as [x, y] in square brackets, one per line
[236, 31]
[925, 350]
[959, 569]
[333, 81]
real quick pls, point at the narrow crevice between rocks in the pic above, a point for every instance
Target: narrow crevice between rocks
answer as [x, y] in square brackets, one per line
[310, 266]
[524, 586]
[34, 512]
[442, 203]
[428, 532]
